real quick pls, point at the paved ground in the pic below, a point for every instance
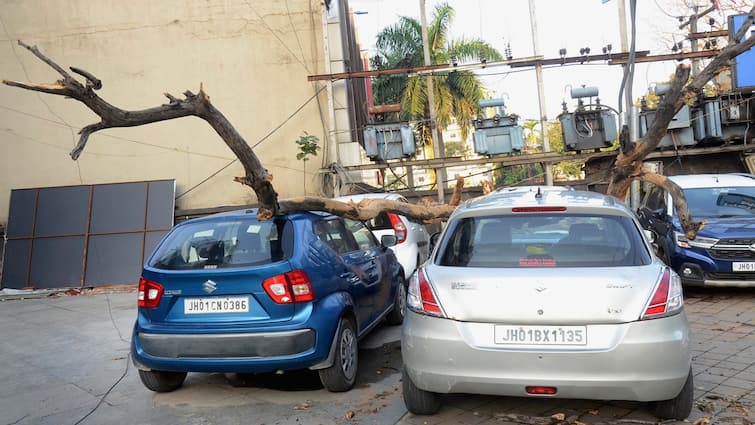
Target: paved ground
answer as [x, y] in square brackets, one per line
[67, 357]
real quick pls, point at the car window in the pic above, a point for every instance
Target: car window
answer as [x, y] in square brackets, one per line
[334, 234]
[380, 222]
[721, 201]
[655, 200]
[534, 240]
[224, 244]
[362, 235]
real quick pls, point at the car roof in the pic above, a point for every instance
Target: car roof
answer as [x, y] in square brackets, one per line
[543, 196]
[694, 181]
[379, 195]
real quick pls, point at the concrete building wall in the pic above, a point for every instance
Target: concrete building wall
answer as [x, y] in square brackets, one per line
[252, 58]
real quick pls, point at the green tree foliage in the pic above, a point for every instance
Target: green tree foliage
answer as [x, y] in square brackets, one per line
[308, 145]
[460, 149]
[456, 94]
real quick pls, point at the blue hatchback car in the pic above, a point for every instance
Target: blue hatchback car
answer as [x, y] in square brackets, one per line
[723, 253]
[230, 293]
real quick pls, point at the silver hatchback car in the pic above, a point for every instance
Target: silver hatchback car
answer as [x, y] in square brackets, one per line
[546, 293]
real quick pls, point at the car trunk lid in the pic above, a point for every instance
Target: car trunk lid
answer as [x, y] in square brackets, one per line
[551, 296]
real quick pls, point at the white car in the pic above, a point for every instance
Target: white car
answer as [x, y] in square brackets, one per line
[412, 239]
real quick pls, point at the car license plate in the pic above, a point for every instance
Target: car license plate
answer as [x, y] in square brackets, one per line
[541, 335]
[743, 267]
[216, 305]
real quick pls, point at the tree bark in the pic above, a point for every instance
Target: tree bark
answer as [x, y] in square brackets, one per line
[199, 105]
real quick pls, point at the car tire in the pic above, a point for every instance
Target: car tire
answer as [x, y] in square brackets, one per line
[417, 401]
[342, 374]
[678, 407]
[161, 381]
[396, 316]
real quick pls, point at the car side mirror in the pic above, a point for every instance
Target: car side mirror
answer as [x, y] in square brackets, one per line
[434, 240]
[388, 241]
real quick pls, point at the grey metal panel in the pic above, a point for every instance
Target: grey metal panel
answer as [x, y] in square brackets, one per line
[114, 259]
[150, 242]
[62, 211]
[118, 207]
[16, 263]
[21, 213]
[160, 206]
[57, 262]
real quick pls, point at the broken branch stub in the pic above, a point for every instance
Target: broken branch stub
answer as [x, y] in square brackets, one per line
[199, 105]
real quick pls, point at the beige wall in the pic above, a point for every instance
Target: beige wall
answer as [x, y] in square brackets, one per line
[252, 62]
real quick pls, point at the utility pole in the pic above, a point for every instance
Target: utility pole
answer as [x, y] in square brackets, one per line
[440, 173]
[540, 92]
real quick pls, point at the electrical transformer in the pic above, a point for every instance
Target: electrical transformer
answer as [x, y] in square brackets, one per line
[389, 141]
[680, 131]
[590, 126]
[499, 134]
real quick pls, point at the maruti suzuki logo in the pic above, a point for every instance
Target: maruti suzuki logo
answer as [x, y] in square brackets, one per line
[209, 286]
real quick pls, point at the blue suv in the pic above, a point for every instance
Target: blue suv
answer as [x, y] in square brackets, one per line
[723, 253]
[230, 293]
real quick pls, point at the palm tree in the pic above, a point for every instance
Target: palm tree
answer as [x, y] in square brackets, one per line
[456, 94]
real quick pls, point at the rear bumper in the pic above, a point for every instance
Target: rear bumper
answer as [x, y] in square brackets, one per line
[650, 362]
[269, 344]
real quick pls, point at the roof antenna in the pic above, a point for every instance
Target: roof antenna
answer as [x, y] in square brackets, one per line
[539, 194]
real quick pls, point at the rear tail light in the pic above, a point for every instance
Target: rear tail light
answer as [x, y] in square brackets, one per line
[398, 227]
[541, 390]
[667, 297]
[150, 293]
[537, 209]
[421, 298]
[290, 287]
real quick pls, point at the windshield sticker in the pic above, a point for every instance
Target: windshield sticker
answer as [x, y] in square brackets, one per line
[537, 262]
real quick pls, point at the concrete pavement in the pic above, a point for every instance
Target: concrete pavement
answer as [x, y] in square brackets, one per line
[66, 357]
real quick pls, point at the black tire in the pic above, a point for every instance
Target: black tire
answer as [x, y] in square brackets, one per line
[396, 316]
[678, 407]
[417, 401]
[161, 381]
[342, 375]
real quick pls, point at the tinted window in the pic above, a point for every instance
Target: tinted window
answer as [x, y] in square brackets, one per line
[362, 235]
[721, 201]
[568, 240]
[334, 234]
[227, 243]
[656, 200]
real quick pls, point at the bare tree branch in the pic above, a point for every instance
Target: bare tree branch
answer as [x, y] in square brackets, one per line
[680, 201]
[199, 105]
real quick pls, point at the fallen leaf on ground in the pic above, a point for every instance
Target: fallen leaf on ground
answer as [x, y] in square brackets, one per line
[702, 421]
[349, 415]
[593, 412]
[558, 417]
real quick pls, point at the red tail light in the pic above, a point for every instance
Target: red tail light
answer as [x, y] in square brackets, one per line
[398, 227]
[150, 293]
[421, 298]
[290, 287]
[667, 296]
[541, 390]
[537, 209]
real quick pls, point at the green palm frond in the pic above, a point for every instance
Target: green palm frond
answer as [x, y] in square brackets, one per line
[470, 50]
[414, 100]
[437, 33]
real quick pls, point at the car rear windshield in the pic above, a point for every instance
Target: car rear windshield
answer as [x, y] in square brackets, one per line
[536, 240]
[721, 201]
[225, 244]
